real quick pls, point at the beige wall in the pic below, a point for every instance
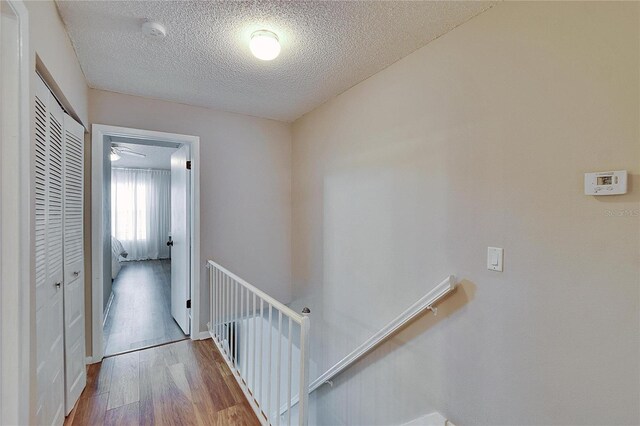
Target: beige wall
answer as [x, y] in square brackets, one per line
[49, 40]
[480, 138]
[245, 181]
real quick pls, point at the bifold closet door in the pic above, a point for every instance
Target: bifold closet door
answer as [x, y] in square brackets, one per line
[48, 193]
[74, 340]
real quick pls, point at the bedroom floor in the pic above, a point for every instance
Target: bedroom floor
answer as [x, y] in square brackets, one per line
[140, 313]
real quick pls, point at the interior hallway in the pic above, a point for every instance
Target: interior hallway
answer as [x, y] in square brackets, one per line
[181, 383]
[140, 314]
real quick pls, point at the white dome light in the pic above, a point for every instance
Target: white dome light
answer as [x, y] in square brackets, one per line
[264, 45]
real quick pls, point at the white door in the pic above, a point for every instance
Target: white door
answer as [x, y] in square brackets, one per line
[48, 190]
[74, 347]
[181, 238]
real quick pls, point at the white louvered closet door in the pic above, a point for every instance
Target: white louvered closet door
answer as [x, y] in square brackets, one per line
[48, 258]
[74, 340]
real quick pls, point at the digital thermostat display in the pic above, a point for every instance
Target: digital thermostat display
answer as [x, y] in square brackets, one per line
[605, 180]
[605, 183]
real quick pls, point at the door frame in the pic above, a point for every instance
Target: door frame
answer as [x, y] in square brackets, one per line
[99, 132]
[16, 326]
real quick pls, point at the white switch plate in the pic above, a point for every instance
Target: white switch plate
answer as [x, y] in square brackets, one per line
[495, 257]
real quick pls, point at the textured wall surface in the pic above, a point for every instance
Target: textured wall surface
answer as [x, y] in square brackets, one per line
[245, 185]
[205, 60]
[480, 138]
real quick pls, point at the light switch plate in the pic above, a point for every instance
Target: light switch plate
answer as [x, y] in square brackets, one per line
[495, 257]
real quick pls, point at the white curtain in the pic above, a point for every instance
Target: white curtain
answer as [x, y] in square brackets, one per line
[141, 211]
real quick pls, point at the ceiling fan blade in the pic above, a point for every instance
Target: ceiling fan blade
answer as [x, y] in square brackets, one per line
[123, 150]
[133, 153]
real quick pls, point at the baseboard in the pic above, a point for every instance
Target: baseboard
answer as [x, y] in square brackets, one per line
[433, 419]
[106, 311]
[202, 336]
[90, 360]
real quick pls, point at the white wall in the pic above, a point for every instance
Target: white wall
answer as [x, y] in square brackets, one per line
[245, 184]
[480, 138]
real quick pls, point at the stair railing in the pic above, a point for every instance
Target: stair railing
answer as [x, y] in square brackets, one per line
[426, 302]
[264, 343]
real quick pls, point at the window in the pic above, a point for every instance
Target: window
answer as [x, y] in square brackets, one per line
[141, 211]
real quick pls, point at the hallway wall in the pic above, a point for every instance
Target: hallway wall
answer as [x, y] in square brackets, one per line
[245, 184]
[57, 58]
[478, 139]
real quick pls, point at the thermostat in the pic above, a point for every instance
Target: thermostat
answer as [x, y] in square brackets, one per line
[605, 183]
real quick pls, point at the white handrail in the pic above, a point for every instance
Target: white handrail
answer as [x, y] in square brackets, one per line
[261, 294]
[422, 304]
[239, 315]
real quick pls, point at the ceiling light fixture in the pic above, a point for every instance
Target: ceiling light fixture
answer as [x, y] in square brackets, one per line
[264, 45]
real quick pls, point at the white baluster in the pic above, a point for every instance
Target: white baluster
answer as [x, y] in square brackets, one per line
[261, 322]
[245, 347]
[235, 323]
[217, 302]
[269, 370]
[253, 366]
[223, 299]
[290, 369]
[211, 308]
[278, 368]
[239, 326]
[220, 306]
[304, 372]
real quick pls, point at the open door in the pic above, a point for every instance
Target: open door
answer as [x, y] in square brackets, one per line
[180, 238]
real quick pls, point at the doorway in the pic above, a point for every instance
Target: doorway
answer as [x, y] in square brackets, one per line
[145, 239]
[138, 301]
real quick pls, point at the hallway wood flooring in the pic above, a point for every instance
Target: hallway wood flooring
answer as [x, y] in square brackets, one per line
[183, 383]
[140, 314]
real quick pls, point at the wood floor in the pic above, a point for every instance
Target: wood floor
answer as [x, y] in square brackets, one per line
[140, 314]
[184, 383]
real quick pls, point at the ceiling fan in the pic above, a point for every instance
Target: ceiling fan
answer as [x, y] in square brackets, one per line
[117, 151]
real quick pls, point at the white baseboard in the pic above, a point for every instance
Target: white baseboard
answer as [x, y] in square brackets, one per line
[106, 311]
[433, 419]
[90, 360]
[202, 336]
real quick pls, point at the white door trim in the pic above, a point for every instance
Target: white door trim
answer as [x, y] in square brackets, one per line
[16, 365]
[98, 133]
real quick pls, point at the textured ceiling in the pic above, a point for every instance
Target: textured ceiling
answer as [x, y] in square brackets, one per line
[327, 47]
